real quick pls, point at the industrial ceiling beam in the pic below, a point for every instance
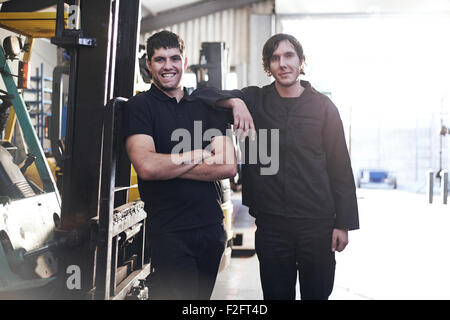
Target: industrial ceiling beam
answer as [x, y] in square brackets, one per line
[190, 12]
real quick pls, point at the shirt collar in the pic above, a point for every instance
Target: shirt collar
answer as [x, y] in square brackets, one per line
[158, 93]
[305, 84]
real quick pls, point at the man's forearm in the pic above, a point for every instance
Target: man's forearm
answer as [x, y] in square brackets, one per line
[227, 103]
[232, 100]
[151, 165]
[210, 172]
[220, 165]
[170, 166]
[211, 96]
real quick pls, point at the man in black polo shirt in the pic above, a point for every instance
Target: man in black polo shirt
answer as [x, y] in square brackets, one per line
[179, 149]
[304, 201]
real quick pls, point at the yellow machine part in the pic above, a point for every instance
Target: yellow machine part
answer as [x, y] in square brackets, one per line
[9, 131]
[32, 173]
[31, 24]
[227, 209]
[133, 194]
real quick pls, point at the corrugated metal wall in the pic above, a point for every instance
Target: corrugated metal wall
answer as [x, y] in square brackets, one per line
[230, 26]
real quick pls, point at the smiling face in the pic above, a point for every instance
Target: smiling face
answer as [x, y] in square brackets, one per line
[167, 67]
[285, 65]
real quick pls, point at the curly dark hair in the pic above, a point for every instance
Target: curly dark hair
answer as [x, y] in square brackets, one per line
[164, 39]
[271, 45]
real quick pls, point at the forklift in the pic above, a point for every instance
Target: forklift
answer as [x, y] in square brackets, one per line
[86, 241]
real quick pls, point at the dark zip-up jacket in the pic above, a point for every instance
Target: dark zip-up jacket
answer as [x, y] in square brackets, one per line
[314, 179]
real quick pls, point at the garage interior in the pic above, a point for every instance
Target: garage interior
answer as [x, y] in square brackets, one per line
[383, 63]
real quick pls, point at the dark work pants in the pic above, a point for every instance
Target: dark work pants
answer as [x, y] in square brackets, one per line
[185, 263]
[286, 247]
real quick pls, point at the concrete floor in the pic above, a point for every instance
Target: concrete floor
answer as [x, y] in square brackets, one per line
[401, 252]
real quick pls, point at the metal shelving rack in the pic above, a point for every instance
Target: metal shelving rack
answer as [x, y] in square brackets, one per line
[38, 105]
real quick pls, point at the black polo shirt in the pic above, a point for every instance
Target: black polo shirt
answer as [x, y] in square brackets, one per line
[314, 179]
[175, 204]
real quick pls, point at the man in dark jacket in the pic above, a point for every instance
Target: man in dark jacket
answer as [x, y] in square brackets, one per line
[303, 196]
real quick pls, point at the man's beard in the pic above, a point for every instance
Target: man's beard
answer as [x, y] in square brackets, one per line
[165, 88]
[287, 85]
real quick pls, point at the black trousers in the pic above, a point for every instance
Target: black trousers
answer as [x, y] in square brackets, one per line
[185, 263]
[286, 247]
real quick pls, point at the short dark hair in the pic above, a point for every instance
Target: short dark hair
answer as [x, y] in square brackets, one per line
[164, 39]
[271, 45]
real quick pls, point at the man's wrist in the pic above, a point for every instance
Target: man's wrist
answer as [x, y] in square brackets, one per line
[234, 102]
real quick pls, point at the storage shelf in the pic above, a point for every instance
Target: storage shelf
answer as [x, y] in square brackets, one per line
[38, 104]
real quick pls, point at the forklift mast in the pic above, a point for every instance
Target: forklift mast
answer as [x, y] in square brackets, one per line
[99, 241]
[102, 66]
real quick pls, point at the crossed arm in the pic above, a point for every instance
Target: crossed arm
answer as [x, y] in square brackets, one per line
[198, 164]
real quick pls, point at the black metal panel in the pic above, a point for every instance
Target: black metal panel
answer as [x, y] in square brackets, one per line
[104, 251]
[214, 55]
[126, 56]
[114, 222]
[127, 48]
[82, 165]
[91, 78]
